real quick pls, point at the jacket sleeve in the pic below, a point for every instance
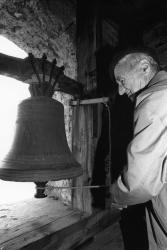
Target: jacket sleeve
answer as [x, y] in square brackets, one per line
[146, 162]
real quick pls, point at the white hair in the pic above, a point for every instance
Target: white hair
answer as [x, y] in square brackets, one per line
[129, 62]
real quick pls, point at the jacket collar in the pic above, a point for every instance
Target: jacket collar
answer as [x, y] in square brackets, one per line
[157, 81]
[159, 77]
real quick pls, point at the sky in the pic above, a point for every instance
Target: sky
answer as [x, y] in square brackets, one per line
[12, 92]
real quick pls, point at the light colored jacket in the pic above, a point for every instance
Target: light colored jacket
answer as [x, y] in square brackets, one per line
[145, 179]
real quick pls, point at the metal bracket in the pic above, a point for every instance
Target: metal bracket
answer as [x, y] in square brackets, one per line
[89, 101]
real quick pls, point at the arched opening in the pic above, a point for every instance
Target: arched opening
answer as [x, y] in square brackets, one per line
[12, 92]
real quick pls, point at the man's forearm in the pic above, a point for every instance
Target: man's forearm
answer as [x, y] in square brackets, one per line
[122, 196]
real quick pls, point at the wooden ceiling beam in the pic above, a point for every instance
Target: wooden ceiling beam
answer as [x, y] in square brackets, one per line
[21, 69]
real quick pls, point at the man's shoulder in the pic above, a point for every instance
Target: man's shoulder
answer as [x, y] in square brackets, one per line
[156, 90]
[152, 101]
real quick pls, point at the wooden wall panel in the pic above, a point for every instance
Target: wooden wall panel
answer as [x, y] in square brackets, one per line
[83, 136]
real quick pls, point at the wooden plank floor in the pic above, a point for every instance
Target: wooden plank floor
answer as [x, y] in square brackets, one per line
[31, 220]
[49, 224]
[109, 239]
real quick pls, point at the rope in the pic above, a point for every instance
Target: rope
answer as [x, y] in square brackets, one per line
[108, 165]
[109, 135]
[77, 187]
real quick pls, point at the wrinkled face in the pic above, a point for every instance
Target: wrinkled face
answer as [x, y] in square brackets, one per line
[129, 80]
[128, 83]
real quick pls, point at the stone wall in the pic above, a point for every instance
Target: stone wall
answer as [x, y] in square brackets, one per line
[46, 26]
[41, 27]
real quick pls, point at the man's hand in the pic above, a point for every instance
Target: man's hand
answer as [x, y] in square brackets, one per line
[114, 204]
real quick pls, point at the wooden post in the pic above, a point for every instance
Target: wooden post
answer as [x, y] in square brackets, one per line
[84, 140]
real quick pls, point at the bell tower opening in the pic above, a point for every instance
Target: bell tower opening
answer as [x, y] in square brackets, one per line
[12, 92]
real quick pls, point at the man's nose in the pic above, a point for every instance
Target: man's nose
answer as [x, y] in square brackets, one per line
[121, 90]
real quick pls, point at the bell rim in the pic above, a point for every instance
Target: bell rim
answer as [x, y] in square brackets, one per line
[39, 175]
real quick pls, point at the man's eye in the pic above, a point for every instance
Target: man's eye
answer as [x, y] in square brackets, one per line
[122, 82]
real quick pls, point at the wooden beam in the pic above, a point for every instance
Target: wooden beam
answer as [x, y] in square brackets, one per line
[84, 116]
[21, 70]
[76, 234]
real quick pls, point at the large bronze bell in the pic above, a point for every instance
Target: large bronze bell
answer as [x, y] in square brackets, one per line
[39, 151]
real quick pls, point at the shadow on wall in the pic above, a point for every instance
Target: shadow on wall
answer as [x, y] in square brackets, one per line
[121, 134]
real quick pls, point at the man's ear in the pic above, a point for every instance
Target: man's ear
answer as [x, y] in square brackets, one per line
[144, 66]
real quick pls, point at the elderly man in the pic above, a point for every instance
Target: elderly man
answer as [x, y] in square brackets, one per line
[145, 176]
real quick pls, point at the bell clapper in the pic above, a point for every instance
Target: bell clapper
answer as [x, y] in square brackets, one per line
[40, 190]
